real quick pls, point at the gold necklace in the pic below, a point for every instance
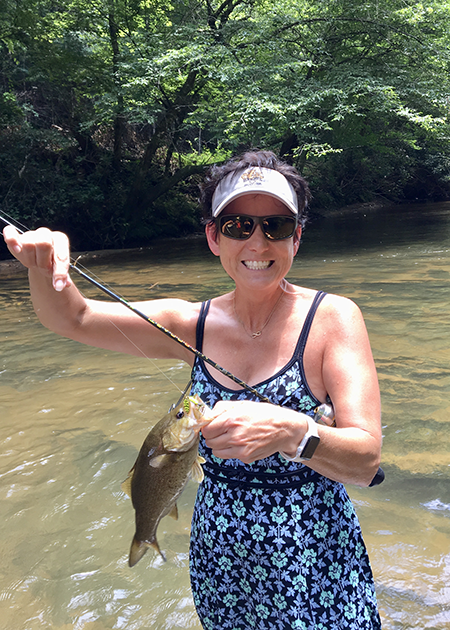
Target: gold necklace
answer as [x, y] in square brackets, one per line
[257, 333]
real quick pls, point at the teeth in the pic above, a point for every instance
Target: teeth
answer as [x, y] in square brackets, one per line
[257, 264]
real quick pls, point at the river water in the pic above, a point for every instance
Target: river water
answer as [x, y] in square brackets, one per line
[73, 418]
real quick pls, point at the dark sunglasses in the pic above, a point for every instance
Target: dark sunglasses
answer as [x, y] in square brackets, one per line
[241, 226]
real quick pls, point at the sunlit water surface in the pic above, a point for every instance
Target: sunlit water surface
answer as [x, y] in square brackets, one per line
[73, 417]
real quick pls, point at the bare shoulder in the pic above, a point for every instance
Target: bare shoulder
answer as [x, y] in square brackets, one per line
[341, 304]
[173, 313]
[343, 335]
[339, 325]
[177, 315]
[175, 306]
[334, 310]
[340, 312]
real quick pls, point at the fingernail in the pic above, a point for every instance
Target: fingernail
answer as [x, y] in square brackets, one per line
[59, 285]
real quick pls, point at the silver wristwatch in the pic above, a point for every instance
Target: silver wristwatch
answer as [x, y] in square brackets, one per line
[307, 446]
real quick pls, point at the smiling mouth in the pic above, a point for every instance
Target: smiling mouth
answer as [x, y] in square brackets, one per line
[257, 264]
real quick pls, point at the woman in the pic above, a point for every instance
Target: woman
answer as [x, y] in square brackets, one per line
[275, 540]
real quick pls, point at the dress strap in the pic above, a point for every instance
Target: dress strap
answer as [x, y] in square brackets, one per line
[308, 322]
[201, 324]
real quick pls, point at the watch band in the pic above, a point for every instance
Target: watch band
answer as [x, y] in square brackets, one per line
[308, 445]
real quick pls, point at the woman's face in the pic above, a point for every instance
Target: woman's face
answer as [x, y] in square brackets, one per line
[256, 263]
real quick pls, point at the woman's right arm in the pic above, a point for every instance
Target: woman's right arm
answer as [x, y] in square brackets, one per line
[64, 310]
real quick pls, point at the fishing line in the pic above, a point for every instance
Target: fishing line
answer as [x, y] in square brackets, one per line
[73, 266]
[152, 361]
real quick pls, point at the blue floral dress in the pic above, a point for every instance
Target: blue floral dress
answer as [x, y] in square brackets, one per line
[275, 545]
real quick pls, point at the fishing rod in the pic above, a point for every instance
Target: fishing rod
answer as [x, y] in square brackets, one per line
[169, 333]
[379, 477]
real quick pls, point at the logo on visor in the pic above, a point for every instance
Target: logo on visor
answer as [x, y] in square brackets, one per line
[253, 176]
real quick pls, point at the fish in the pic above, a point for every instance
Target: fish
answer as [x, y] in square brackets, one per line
[167, 460]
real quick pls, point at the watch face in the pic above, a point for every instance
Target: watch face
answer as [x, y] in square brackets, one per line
[310, 447]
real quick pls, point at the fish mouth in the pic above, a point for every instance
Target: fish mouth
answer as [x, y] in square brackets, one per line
[257, 265]
[200, 411]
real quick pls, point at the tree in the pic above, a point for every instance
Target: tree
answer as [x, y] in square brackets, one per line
[355, 94]
[110, 110]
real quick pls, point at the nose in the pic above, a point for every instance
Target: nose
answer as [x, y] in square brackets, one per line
[257, 240]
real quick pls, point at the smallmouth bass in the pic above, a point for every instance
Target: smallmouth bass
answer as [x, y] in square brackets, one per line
[167, 460]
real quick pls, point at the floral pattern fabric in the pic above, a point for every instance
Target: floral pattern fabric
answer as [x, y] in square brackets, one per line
[275, 545]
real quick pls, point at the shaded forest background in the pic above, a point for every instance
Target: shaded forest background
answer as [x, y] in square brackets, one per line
[110, 110]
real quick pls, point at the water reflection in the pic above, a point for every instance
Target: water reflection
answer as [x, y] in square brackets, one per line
[73, 417]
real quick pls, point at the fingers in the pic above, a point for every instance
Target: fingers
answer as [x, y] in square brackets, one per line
[61, 261]
[231, 434]
[248, 430]
[46, 251]
[215, 428]
[12, 240]
[225, 415]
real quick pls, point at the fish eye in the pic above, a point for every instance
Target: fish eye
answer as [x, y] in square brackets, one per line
[180, 414]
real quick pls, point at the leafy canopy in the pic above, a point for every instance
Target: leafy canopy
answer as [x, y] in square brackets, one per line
[109, 109]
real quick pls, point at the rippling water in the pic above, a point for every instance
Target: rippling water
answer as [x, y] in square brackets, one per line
[73, 417]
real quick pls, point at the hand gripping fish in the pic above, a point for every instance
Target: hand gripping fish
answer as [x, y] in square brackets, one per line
[167, 460]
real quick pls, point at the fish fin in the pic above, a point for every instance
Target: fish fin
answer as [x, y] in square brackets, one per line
[155, 546]
[197, 473]
[174, 512]
[158, 461]
[126, 485]
[139, 548]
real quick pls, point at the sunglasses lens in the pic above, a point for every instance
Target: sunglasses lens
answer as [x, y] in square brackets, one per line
[240, 227]
[277, 228]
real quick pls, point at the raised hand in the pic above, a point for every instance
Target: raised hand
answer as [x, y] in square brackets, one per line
[43, 250]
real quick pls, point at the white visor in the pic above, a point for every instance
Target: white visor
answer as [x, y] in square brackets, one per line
[254, 180]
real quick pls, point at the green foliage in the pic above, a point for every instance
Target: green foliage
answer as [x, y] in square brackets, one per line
[356, 93]
[109, 109]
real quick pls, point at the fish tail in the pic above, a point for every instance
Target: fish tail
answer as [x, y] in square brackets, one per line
[139, 548]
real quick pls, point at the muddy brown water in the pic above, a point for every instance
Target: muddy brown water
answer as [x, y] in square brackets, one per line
[72, 419]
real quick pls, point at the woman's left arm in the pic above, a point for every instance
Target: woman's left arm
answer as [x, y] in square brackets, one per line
[351, 451]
